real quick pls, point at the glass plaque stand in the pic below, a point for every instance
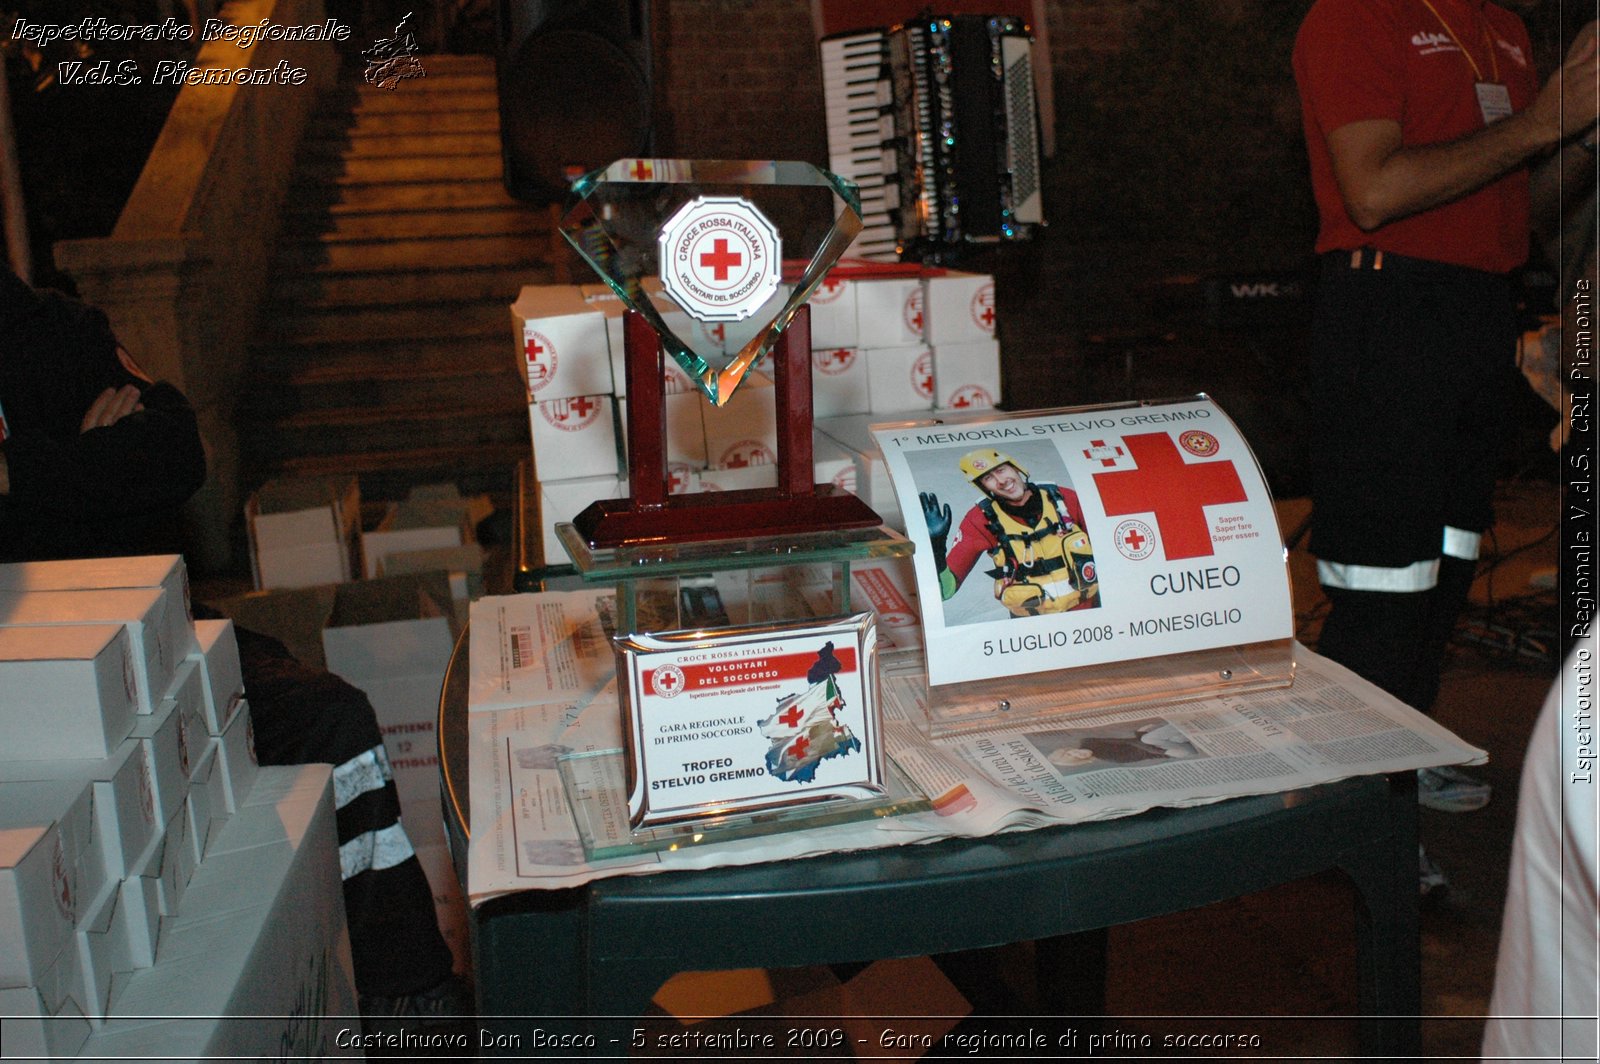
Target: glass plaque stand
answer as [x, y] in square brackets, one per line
[597, 792]
[695, 584]
[985, 705]
[711, 584]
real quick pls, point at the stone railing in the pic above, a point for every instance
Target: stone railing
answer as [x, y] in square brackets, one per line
[184, 273]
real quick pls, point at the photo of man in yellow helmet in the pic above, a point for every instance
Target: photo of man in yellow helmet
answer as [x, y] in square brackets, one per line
[1039, 552]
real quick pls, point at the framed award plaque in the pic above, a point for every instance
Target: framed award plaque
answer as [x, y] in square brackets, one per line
[750, 719]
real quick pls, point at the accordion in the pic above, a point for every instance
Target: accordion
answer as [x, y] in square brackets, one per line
[936, 121]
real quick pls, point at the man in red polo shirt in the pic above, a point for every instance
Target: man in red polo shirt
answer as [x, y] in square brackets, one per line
[1421, 118]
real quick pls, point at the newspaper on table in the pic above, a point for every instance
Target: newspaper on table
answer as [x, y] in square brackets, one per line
[1081, 767]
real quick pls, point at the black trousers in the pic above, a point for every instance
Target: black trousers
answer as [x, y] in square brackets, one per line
[1412, 367]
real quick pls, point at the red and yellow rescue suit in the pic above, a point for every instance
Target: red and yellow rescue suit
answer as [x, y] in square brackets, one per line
[1041, 558]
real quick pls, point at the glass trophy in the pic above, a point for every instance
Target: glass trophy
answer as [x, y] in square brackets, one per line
[715, 261]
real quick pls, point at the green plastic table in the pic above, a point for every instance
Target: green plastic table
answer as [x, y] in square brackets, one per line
[586, 961]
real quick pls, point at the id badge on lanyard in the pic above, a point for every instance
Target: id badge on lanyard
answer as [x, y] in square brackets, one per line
[1494, 100]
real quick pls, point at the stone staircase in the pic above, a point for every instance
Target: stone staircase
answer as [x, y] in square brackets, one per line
[385, 345]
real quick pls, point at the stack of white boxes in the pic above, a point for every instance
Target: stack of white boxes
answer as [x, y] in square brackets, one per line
[142, 852]
[886, 341]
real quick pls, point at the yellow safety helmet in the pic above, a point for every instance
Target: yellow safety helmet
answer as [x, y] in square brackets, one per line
[976, 464]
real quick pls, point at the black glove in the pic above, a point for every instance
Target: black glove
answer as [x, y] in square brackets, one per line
[937, 518]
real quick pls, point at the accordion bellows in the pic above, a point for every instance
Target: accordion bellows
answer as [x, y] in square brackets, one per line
[936, 121]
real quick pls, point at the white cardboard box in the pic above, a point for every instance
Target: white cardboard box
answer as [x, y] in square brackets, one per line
[108, 941]
[158, 630]
[161, 737]
[839, 383]
[165, 571]
[303, 531]
[873, 485]
[888, 312]
[258, 963]
[124, 800]
[167, 865]
[968, 375]
[899, 379]
[744, 430]
[832, 464]
[188, 691]
[888, 587]
[686, 430]
[833, 313]
[69, 805]
[217, 654]
[575, 436]
[561, 342]
[36, 904]
[46, 1019]
[66, 691]
[141, 898]
[397, 536]
[739, 478]
[238, 756]
[206, 802]
[958, 307]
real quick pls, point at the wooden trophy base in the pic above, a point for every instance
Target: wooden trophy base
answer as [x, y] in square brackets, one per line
[795, 507]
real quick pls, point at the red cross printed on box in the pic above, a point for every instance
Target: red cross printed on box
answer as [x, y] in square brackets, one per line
[913, 311]
[641, 170]
[1175, 491]
[791, 717]
[834, 362]
[720, 258]
[971, 395]
[719, 333]
[1105, 455]
[983, 307]
[541, 356]
[922, 375]
[583, 406]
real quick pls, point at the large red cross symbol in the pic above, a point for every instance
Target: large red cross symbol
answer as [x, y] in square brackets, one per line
[582, 405]
[532, 349]
[1174, 490]
[987, 316]
[790, 717]
[641, 170]
[719, 258]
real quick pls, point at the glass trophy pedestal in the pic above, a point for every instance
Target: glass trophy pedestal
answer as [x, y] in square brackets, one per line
[709, 585]
[664, 586]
